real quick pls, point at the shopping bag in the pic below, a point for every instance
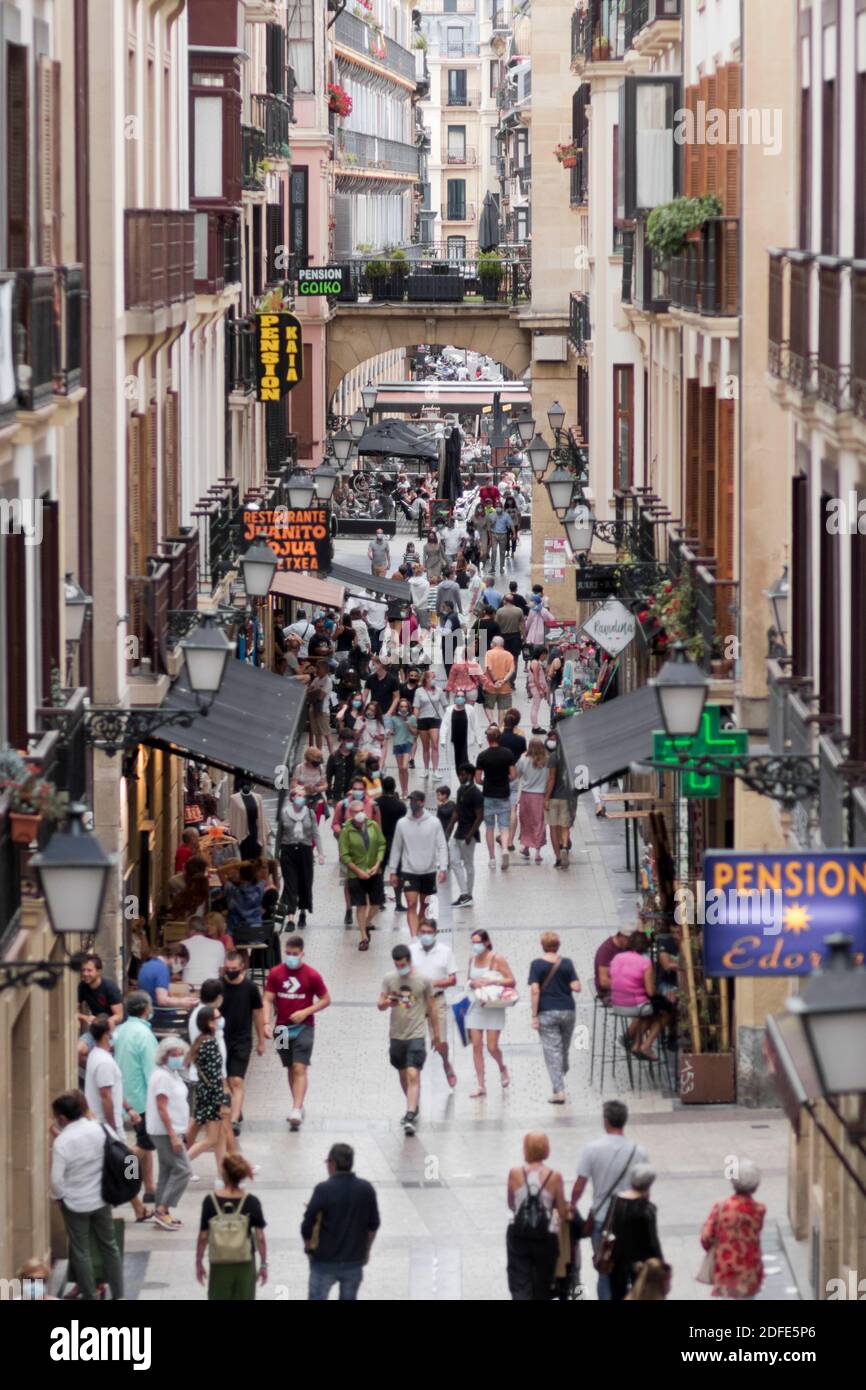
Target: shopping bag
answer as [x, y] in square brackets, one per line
[460, 1010]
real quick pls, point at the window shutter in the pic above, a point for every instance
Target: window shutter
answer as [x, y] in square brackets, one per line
[171, 470]
[860, 167]
[702, 146]
[715, 154]
[136, 547]
[693, 457]
[725, 474]
[801, 596]
[828, 626]
[151, 479]
[858, 647]
[49, 594]
[15, 597]
[47, 73]
[18, 157]
[707, 515]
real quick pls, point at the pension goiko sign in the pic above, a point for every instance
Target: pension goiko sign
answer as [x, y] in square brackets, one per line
[299, 539]
[280, 355]
[320, 279]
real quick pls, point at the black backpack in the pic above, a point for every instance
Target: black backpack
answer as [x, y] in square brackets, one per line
[532, 1219]
[121, 1172]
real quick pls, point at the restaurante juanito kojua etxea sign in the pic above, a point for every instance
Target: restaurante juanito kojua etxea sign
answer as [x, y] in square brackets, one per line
[299, 539]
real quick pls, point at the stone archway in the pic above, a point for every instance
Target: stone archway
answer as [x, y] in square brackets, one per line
[359, 332]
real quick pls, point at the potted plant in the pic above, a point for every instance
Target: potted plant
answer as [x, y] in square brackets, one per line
[377, 45]
[420, 42]
[31, 798]
[490, 272]
[600, 48]
[377, 278]
[671, 225]
[339, 100]
[567, 154]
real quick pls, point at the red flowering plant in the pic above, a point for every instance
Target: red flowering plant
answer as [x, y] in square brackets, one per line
[339, 100]
[28, 792]
[668, 616]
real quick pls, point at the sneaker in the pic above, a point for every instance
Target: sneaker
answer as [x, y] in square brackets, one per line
[347, 919]
[302, 920]
[194, 1177]
[412, 763]
[468, 900]
[491, 864]
[503, 863]
[409, 1123]
[236, 1129]
[296, 1118]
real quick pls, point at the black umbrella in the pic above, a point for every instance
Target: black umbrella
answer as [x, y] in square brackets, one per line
[398, 439]
[488, 227]
[453, 483]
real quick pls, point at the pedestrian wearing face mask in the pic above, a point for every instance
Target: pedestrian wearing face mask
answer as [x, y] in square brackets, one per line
[373, 734]
[419, 855]
[166, 1120]
[355, 800]
[294, 994]
[350, 718]
[500, 534]
[429, 709]
[409, 997]
[243, 1011]
[298, 840]
[340, 769]
[362, 851]
[404, 730]
[433, 959]
[379, 553]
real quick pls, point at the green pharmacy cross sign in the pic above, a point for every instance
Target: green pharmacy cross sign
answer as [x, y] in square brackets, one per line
[711, 742]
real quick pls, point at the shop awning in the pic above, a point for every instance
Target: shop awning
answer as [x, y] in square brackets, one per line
[308, 588]
[398, 439]
[365, 583]
[608, 739]
[251, 726]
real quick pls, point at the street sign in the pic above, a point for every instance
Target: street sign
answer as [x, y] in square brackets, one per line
[612, 627]
[299, 539]
[595, 583]
[320, 280]
[710, 741]
[279, 355]
[769, 914]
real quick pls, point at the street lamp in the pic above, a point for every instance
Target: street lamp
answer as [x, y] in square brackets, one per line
[206, 652]
[300, 488]
[539, 456]
[579, 528]
[777, 596]
[325, 478]
[556, 417]
[560, 489]
[681, 689]
[368, 396]
[342, 443]
[73, 872]
[357, 424]
[77, 606]
[832, 1014]
[526, 430]
[258, 563]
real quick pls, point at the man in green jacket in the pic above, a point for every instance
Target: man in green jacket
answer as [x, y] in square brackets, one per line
[362, 850]
[135, 1053]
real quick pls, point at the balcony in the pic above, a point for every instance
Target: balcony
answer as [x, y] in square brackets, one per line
[453, 51]
[598, 34]
[524, 174]
[823, 355]
[273, 115]
[458, 213]
[253, 152]
[579, 181]
[45, 336]
[653, 279]
[217, 251]
[240, 369]
[704, 279]
[645, 16]
[858, 339]
[354, 35]
[467, 155]
[579, 324]
[159, 255]
[468, 96]
[501, 22]
[217, 521]
[776, 327]
[434, 274]
[714, 601]
[365, 152]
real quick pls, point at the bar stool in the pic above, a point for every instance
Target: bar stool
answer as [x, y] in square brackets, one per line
[624, 1015]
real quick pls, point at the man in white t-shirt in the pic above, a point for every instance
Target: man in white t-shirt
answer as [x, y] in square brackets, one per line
[103, 1091]
[303, 630]
[607, 1163]
[206, 956]
[433, 958]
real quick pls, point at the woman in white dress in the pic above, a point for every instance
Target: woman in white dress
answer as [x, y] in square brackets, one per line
[486, 968]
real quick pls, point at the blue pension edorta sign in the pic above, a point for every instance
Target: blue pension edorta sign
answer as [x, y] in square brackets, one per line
[769, 914]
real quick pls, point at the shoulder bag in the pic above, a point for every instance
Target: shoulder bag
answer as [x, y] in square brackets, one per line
[597, 1206]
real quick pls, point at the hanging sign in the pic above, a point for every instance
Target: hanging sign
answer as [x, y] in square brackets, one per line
[595, 583]
[280, 355]
[770, 914]
[711, 741]
[612, 627]
[320, 279]
[299, 539]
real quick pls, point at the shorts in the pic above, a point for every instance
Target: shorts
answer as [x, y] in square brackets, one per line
[408, 1052]
[494, 699]
[443, 1011]
[238, 1059]
[366, 890]
[558, 813]
[298, 1049]
[320, 723]
[424, 725]
[402, 749]
[143, 1140]
[514, 792]
[496, 808]
[425, 884]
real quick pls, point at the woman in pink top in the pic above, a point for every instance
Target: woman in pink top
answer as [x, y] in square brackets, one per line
[464, 677]
[632, 986]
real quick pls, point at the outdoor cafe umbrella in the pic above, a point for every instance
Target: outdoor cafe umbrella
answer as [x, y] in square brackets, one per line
[488, 228]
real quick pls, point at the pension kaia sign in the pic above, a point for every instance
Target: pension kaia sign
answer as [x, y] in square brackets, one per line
[299, 539]
[279, 355]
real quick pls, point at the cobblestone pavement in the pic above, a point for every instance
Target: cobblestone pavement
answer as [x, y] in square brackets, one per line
[442, 1193]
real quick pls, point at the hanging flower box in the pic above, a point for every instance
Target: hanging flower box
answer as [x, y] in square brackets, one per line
[24, 827]
[339, 100]
[567, 154]
[378, 48]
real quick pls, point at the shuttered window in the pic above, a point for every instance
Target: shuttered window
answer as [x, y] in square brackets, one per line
[171, 465]
[276, 59]
[47, 94]
[860, 154]
[15, 612]
[17, 158]
[829, 137]
[693, 457]
[725, 475]
[136, 543]
[858, 648]
[49, 596]
[623, 427]
[829, 635]
[729, 181]
[707, 508]
[801, 593]
[805, 129]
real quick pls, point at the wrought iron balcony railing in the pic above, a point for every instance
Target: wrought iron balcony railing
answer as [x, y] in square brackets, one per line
[352, 33]
[273, 115]
[45, 335]
[355, 149]
[704, 278]
[253, 152]
[819, 354]
[579, 326]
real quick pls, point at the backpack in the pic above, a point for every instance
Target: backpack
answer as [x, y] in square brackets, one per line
[121, 1175]
[532, 1219]
[228, 1235]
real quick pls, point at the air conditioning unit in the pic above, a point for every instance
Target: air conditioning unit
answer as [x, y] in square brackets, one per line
[549, 347]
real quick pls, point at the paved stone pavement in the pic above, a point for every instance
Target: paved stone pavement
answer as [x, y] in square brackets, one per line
[442, 1193]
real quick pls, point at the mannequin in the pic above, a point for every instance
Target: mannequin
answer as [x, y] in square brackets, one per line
[247, 820]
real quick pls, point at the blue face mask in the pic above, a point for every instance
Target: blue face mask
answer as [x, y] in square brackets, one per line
[293, 962]
[478, 947]
[404, 969]
[176, 1063]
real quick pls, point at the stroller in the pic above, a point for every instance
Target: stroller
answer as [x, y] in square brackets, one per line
[567, 1287]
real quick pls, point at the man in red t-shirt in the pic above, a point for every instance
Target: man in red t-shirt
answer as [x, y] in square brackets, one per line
[489, 493]
[603, 957]
[294, 992]
[189, 845]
